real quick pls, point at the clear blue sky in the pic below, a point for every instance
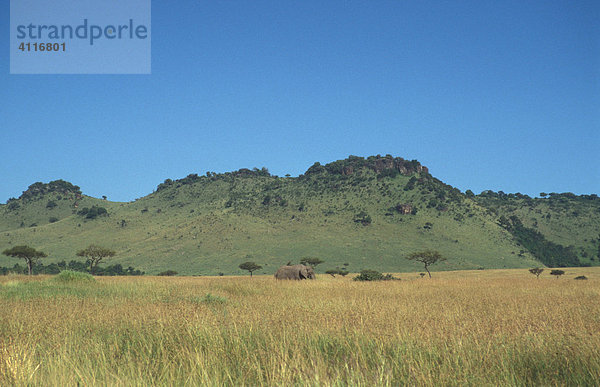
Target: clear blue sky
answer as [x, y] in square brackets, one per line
[501, 95]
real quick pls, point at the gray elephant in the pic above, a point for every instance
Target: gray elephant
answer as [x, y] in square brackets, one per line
[295, 272]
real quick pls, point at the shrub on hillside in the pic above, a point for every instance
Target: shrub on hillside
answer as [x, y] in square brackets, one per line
[411, 184]
[93, 212]
[363, 218]
[13, 205]
[389, 173]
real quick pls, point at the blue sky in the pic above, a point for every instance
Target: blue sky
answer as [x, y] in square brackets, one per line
[501, 95]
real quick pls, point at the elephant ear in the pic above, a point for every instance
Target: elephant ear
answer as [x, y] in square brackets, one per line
[303, 273]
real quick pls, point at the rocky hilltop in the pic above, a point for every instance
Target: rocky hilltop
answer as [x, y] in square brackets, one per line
[382, 166]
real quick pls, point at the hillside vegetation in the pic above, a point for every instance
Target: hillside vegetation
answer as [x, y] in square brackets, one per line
[356, 213]
[569, 224]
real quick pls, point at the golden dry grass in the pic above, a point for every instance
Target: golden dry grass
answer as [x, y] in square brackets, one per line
[499, 327]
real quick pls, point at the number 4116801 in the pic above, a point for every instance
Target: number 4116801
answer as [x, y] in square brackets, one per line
[42, 47]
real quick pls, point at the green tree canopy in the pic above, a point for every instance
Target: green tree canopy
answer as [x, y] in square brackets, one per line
[536, 271]
[311, 261]
[250, 266]
[427, 258]
[29, 254]
[333, 272]
[94, 255]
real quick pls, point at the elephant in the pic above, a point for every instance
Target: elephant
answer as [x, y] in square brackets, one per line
[295, 272]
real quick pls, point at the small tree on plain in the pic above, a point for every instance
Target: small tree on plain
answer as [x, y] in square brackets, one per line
[250, 266]
[337, 270]
[94, 255]
[536, 271]
[29, 254]
[557, 273]
[311, 261]
[427, 258]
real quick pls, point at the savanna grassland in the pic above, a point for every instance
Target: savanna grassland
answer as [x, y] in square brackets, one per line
[492, 327]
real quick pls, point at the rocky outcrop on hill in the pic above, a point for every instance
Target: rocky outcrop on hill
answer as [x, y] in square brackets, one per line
[404, 209]
[381, 165]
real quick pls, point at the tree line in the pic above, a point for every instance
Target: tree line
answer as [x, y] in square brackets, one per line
[94, 255]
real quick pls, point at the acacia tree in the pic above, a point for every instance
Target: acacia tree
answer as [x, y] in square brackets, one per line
[311, 261]
[557, 273]
[427, 258]
[29, 254]
[94, 255]
[250, 266]
[337, 270]
[536, 271]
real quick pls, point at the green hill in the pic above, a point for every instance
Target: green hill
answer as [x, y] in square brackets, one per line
[355, 213]
[565, 220]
